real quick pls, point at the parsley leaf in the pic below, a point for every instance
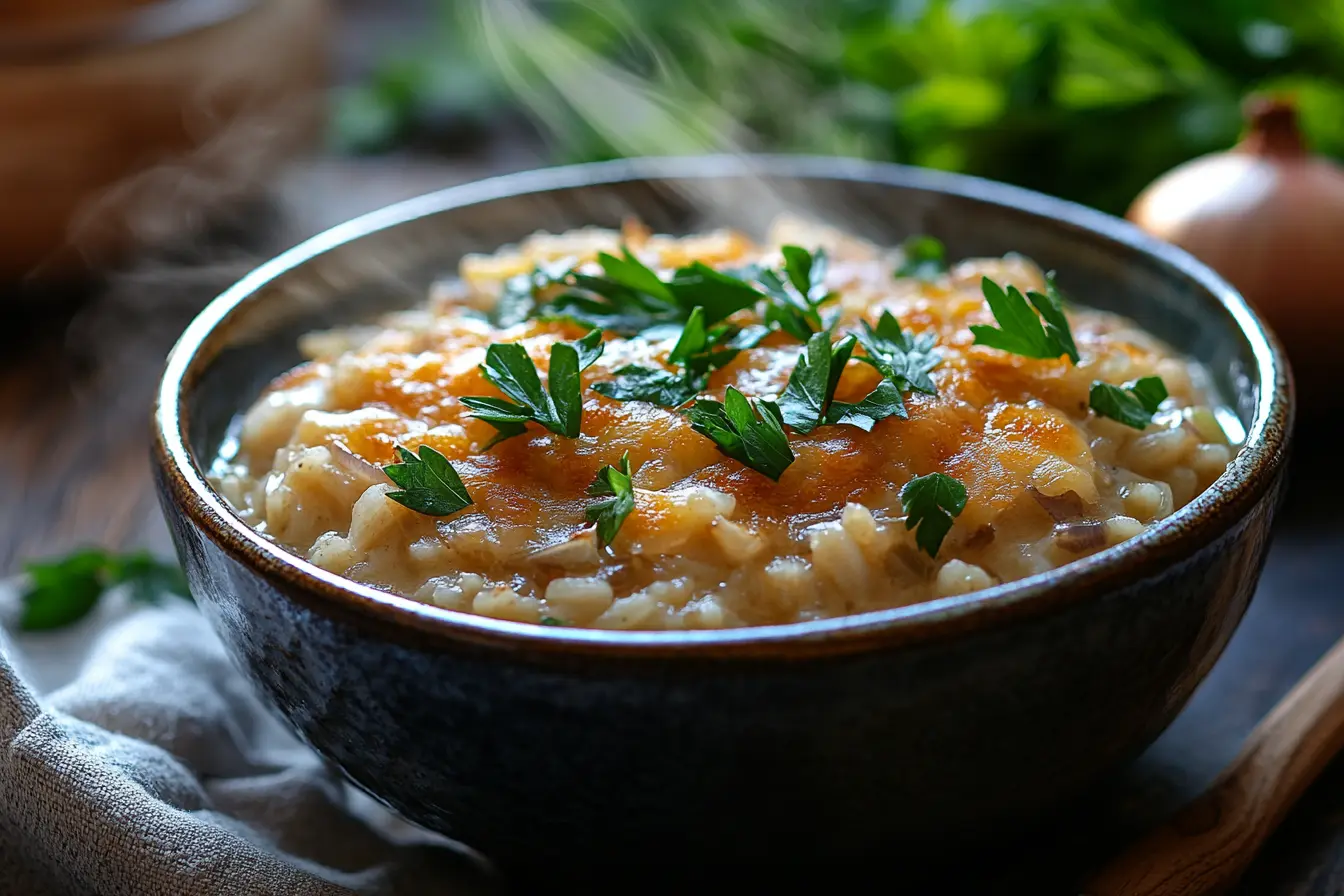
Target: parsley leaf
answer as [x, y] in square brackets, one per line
[559, 407]
[699, 349]
[518, 301]
[749, 432]
[551, 620]
[809, 398]
[925, 258]
[1133, 404]
[614, 486]
[796, 295]
[883, 402]
[629, 297]
[899, 355]
[930, 502]
[1020, 330]
[664, 388]
[428, 483]
[61, 592]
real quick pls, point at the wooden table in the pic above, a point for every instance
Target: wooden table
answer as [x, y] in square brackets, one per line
[75, 384]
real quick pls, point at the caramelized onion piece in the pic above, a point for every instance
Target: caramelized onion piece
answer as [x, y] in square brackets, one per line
[1068, 506]
[579, 552]
[355, 465]
[1080, 535]
[981, 538]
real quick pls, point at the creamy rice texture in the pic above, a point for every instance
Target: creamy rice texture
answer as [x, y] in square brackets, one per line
[712, 543]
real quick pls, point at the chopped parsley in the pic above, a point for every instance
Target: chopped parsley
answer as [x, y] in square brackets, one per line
[613, 485]
[809, 398]
[930, 503]
[558, 408]
[795, 295]
[751, 432]
[902, 357]
[428, 483]
[551, 620]
[699, 350]
[518, 301]
[925, 258]
[629, 297]
[1133, 404]
[1020, 330]
[62, 592]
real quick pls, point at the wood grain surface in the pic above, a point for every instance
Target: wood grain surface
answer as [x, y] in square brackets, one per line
[76, 377]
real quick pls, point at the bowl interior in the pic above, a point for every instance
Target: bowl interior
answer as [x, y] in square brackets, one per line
[387, 260]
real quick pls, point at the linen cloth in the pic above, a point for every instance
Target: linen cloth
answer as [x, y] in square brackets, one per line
[135, 761]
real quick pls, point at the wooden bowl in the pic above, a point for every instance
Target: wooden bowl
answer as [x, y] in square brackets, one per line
[127, 123]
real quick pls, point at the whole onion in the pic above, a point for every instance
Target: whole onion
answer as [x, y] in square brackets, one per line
[1268, 216]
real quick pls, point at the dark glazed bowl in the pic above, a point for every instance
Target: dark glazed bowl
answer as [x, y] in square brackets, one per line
[873, 734]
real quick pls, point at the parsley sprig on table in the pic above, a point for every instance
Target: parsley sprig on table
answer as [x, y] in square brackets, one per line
[63, 591]
[1132, 404]
[558, 407]
[751, 432]
[612, 484]
[1020, 330]
[428, 483]
[809, 398]
[931, 503]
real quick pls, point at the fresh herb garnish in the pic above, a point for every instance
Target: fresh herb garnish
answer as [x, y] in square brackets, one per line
[900, 356]
[629, 297]
[665, 388]
[930, 502]
[559, 407]
[809, 398]
[1020, 330]
[699, 350]
[925, 258]
[428, 483]
[796, 295]
[614, 487]
[551, 620]
[61, 592]
[518, 301]
[1133, 404]
[751, 432]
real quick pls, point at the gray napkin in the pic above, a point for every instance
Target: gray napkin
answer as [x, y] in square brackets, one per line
[135, 760]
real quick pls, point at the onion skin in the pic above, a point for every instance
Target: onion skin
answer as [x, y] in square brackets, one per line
[1269, 217]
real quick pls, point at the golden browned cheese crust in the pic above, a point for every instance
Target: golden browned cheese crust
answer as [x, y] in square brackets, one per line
[711, 542]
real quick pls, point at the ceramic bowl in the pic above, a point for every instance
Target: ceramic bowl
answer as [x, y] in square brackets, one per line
[887, 733]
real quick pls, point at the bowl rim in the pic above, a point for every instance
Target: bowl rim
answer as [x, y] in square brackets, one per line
[1228, 500]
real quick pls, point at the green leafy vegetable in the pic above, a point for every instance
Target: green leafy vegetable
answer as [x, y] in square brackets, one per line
[1133, 404]
[925, 258]
[749, 432]
[428, 483]
[61, 592]
[807, 272]
[899, 355]
[613, 485]
[931, 502]
[559, 407]
[809, 398]
[551, 620]
[1020, 330]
